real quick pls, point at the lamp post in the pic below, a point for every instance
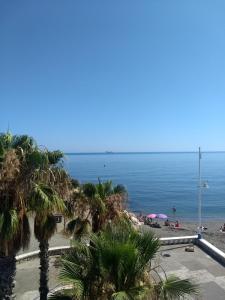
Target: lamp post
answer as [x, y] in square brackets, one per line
[199, 194]
[201, 185]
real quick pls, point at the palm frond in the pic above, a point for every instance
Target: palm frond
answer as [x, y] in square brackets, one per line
[147, 244]
[10, 224]
[44, 198]
[54, 157]
[44, 226]
[120, 296]
[120, 189]
[6, 140]
[75, 183]
[79, 228]
[89, 190]
[23, 141]
[63, 294]
[37, 159]
[174, 288]
[139, 293]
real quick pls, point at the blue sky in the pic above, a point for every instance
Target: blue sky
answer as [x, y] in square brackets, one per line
[114, 75]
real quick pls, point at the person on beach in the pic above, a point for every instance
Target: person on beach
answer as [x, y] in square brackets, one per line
[167, 223]
[174, 211]
[177, 224]
[203, 228]
[222, 228]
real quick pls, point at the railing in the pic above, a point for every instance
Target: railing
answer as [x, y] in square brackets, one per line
[61, 249]
[210, 249]
[52, 251]
[179, 240]
[202, 243]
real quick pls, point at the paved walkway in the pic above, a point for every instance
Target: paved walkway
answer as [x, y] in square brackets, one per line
[57, 240]
[198, 266]
[203, 270]
[27, 278]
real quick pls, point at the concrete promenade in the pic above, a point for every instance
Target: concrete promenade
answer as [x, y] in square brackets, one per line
[197, 265]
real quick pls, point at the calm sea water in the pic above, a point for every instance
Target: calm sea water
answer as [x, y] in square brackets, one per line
[158, 181]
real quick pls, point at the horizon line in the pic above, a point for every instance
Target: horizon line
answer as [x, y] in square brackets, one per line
[140, 152]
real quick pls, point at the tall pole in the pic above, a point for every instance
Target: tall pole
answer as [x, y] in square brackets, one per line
[199, 193]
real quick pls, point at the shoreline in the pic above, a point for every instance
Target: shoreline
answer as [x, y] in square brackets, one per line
[212, 234]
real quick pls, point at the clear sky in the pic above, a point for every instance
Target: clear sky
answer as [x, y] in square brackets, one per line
[121, 75]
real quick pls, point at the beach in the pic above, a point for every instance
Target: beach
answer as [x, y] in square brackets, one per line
[212, 234]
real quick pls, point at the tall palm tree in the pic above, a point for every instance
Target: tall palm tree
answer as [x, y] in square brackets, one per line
[117, 266]
[50, 193]
[44, 229]
[93, 206]
[14, 191]
[44, 202]
[23, 165]
[106, 202]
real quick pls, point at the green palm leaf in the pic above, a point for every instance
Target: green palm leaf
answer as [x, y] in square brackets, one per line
[44, 227]
[64, 294]
[45, 199]
[9, 224]
[174, 288]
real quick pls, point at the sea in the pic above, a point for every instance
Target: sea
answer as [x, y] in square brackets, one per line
[157, 182]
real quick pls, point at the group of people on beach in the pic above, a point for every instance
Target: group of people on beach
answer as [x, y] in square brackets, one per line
[155, 224]
[148, 221]
[172, 224]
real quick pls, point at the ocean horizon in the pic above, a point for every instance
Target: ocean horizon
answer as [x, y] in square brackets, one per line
[158, 181]
[140, 152]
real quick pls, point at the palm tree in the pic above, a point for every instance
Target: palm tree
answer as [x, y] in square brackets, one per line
[93, 206]
[79, 228]
[50, 192]
[14, 191]
[44, 229]
[44, 202]
[106, 203]
[117, 265]
[22, 166]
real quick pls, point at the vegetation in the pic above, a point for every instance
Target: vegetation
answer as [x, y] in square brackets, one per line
[45, 201]
[28, 178]
[117, 265]
[94, 206]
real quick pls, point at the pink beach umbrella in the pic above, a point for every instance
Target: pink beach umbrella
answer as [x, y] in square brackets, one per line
[152, 216]
[162, 216]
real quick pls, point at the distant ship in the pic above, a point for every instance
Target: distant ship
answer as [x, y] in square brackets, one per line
[108, 152]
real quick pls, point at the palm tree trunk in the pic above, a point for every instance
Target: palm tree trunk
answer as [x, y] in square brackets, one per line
[64, 223]
[7, 277]
[44, 269]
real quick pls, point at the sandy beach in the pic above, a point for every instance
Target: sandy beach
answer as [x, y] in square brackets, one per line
[212, 234]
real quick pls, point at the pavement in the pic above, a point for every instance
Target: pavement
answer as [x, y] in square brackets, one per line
[58, 239]
[198, 266]
[27, 278]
